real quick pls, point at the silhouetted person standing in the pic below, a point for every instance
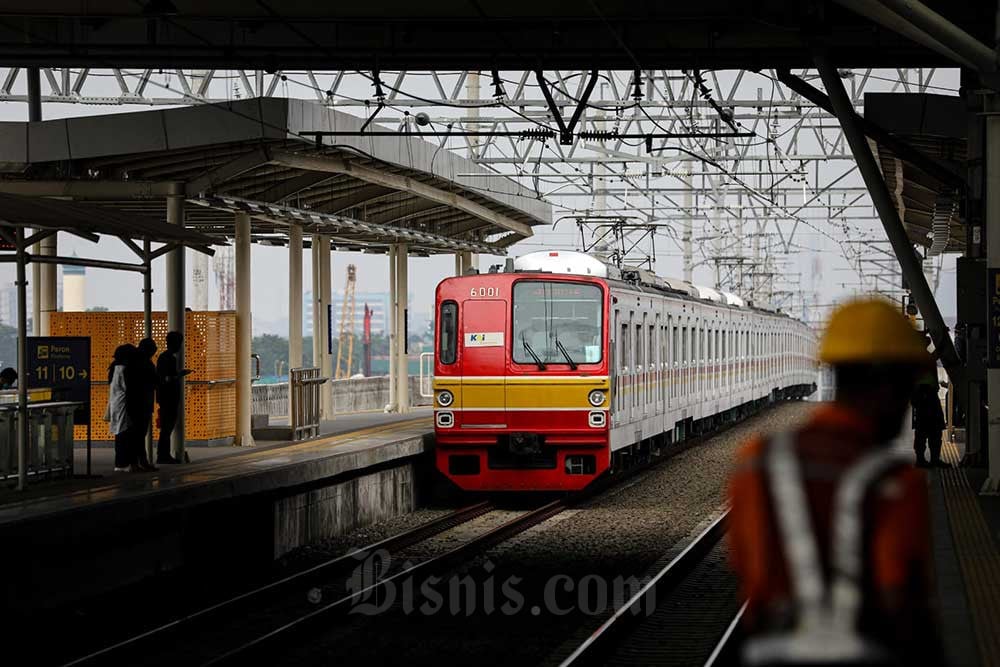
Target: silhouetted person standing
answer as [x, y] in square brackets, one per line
[8, 378]
[140, 392]
[928, 422]
[169, 394]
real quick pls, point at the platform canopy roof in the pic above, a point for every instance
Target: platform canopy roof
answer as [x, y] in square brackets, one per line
[45, 214]
[255, 156]
[927, 204]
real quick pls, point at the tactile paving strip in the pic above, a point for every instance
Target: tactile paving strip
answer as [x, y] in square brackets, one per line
[977, 556]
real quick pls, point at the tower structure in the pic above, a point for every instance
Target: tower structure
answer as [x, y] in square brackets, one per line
[74, 287]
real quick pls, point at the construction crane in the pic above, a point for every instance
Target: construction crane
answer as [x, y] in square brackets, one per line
[347, 326]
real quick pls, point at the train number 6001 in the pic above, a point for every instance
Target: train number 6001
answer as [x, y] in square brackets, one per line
[484, 291]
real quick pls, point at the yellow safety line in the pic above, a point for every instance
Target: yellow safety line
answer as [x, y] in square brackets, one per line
[977, 556]
[207, 466]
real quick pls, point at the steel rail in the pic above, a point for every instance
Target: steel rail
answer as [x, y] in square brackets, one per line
[392, 543]
[441, 562]
[603, 639]
[723, 654]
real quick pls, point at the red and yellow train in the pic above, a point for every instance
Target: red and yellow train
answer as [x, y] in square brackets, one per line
[548, 375]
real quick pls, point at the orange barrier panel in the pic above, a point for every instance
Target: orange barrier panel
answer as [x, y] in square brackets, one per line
[209, 350]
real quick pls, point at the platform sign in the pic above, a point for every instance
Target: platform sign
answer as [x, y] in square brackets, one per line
[993, 323]
[62, 365]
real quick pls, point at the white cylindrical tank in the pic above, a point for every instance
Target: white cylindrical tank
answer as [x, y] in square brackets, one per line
[74, 279]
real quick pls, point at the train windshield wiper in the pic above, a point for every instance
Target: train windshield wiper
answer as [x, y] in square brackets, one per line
[527, 348]
[569, 359]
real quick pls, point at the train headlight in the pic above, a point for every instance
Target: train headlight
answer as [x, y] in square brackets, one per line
[596, 398]
[445, 398]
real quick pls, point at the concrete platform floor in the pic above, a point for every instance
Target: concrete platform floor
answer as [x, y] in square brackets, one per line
[102, 457]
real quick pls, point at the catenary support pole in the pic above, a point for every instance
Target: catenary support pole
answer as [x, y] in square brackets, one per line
[294, 297]
[244, 333]
[402, 366]
[901, 245]
[175, 306]
[22, 362]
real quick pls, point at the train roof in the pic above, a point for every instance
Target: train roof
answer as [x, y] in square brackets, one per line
[572, 262]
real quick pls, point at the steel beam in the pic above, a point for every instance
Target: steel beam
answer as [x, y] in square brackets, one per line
[879, 134]
[903, 249]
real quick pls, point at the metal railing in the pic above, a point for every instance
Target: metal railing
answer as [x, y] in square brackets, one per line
[50, 439]
[304, 406]
[270, 399]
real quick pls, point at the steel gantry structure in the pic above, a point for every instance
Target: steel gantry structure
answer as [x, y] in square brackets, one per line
[733, 170]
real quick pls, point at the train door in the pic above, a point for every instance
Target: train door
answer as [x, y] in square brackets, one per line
[484, 362]
[640, 366]
[652, 372]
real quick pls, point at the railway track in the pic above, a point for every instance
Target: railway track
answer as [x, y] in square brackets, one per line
[306, 579]
[679, 617]
[266, 630]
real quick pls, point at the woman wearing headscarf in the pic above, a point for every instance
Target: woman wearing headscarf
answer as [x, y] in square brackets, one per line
[118, 417]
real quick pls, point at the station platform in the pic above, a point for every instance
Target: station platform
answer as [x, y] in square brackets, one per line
[230, 504]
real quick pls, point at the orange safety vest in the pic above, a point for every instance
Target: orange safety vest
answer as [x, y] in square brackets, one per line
[829, 535]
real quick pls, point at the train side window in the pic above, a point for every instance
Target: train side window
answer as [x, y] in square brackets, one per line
[448, 333]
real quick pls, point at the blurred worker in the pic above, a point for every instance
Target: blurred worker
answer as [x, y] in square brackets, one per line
[8, 378]
[140, 391]
[168, 394]
[829, 527]
[117, 412]
[928, 421]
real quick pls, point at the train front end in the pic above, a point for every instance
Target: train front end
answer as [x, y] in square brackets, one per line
[521, 390]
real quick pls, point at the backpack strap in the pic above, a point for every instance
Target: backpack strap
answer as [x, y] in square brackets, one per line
[798, 539]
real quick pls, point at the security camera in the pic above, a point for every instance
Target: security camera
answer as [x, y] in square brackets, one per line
[422, 119]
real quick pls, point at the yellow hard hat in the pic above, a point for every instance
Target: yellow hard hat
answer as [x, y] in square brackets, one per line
[871, 331]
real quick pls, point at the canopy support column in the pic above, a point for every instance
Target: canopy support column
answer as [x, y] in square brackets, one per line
[244, 333]
[326, 292]
[401, 307]
[147, 320]
[175, 305]
[992, 484]
[392, 405]
[294, 297]
[47, 285]
[317, 305]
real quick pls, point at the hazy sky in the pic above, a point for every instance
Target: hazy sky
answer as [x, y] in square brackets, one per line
[820, 265]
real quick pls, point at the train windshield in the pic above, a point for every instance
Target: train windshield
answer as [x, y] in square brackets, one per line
[557, 323]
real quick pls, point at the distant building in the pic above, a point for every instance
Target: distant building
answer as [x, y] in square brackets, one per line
[8, 304]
